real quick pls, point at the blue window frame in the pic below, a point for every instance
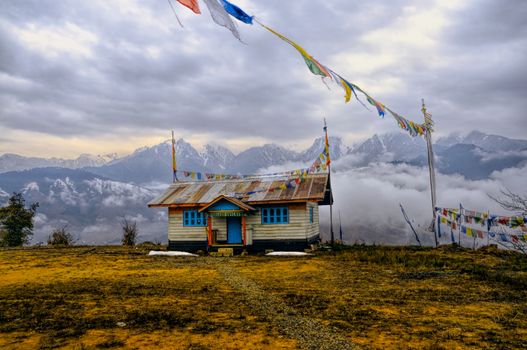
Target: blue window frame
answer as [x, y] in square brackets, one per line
[311, 215]
[275, 215]
[193, 218]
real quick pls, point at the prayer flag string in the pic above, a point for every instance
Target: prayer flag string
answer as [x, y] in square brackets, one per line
[319, 166]
[220, 11]
[491, 226]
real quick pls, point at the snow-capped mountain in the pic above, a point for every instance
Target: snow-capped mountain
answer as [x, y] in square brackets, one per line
[390, 147]
[490, 143]
[91, 206]
[217, 157]
[336, 149]
[152, 164]
[255, 158]
[149, 165]
[13, 162]
[474, 156]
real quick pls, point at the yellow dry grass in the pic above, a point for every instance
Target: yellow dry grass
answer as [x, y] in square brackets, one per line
[114, 297]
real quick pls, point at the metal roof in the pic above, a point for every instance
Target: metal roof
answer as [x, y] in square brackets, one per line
[315, 187]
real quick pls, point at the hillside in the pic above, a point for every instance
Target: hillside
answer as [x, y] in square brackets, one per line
[362, 297]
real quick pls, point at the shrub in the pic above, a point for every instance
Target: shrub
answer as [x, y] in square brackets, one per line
[129, 232]
[61, 236]
[16, 221]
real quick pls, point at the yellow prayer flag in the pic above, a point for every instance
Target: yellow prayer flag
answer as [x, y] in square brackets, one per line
[347, 89]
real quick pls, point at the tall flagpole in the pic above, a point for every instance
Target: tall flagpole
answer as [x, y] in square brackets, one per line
[174, 164]
[340, 230]
[329, 179]
[429, 128]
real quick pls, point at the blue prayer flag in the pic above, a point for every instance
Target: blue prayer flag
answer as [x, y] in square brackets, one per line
[237, 12]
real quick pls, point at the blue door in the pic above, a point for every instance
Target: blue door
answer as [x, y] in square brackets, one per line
[234, 230]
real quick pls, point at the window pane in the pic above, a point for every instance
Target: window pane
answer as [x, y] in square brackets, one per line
[277, 215]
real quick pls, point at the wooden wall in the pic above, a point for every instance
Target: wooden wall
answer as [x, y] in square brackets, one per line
[298, 228]
[178, 232]
[220, 224]
[312, 229]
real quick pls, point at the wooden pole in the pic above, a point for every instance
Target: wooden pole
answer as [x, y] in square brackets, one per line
[244, 230]
[331, 193]
[174, 164]
[487, 224]
[340, 230]
[428, 125]
[461, 218]
[209, 238]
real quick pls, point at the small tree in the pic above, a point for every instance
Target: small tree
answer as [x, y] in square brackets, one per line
[17, 221]
[512, 201]
[61, 236]
[129, 232]
[516, 203]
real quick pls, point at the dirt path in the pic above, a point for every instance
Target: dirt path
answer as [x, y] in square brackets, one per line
[309, 333]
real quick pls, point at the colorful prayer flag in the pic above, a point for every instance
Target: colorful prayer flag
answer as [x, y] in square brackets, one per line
[191, 4]
[237, 12]
[326, 148]
[313, 65]
[380, 107]
[221, 17]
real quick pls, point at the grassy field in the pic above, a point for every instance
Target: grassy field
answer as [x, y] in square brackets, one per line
[374, 297]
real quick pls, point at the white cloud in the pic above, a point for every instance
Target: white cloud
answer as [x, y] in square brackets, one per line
[83, 74]
[369, 198]
[53, 41]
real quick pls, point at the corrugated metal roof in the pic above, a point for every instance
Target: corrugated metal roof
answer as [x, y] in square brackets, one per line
[313, 188]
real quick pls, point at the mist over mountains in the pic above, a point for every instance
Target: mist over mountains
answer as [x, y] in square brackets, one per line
[92, 194]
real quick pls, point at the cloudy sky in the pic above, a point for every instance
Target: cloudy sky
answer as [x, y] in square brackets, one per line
[106, 76]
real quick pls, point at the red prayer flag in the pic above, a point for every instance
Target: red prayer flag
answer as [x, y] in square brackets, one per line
[191, 4]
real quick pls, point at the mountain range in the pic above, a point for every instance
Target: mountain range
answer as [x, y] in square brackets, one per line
[92, 194]
[14, 162]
